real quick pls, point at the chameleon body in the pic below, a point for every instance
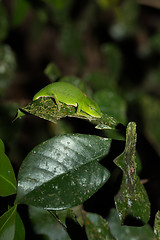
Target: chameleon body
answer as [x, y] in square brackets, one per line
[69, 94]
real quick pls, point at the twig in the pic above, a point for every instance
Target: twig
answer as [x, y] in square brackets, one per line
[153, 3]
[57, 219]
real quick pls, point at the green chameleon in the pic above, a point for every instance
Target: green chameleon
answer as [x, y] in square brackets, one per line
[70, 95]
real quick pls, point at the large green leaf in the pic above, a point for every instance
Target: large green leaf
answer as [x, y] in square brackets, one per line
[8, 184]
[7, 224]
[44, 223]
[63, 172]
[128, 232]
[132, 198]
[97, 227]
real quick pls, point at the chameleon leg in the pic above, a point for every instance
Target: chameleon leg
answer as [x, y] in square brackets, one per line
[57, 102]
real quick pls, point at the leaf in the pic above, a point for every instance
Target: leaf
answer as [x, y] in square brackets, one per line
[44, 223]
[63, 172]
[99, 80]
[97, 227]
[52, 72]
[151, 117]
[113, 59]
[107, 122]
[19, 228]
[127, 232]
[21, 8]
[7, 224]
[8, 65]
[112, 104]
[4, 23]
[157, 225]
[7, 178]
[46, 108]
[2, 147]
[132, 198]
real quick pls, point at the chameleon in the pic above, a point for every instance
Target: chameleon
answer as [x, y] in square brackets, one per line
[69, 94]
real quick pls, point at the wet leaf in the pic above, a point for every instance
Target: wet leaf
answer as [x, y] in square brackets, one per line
[127, 232]
[132, 198]
[157, 225]
[63, 172]
[8, 184]
[7, 224]
[44, 223]
[97, 227]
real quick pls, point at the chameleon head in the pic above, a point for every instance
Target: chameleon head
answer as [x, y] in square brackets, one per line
[92, 108]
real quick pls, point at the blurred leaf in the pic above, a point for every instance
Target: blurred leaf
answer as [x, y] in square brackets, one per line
[7, 224]
[97, 227]
[19, 228]
[70, 42]
[2, 147]
[63, 172]
[21, 8]
[132, 199]
[151, 118]
[105, 4]
[127, 15]
[3, 23]
[8, 184]
[52, 72]
[112, 104]
[99, 80]
[154, 42]
[127, 232]
[113, 60]
[59, 4]
[152, 81]
[7, 67]
[157, 225]
[44, 223]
